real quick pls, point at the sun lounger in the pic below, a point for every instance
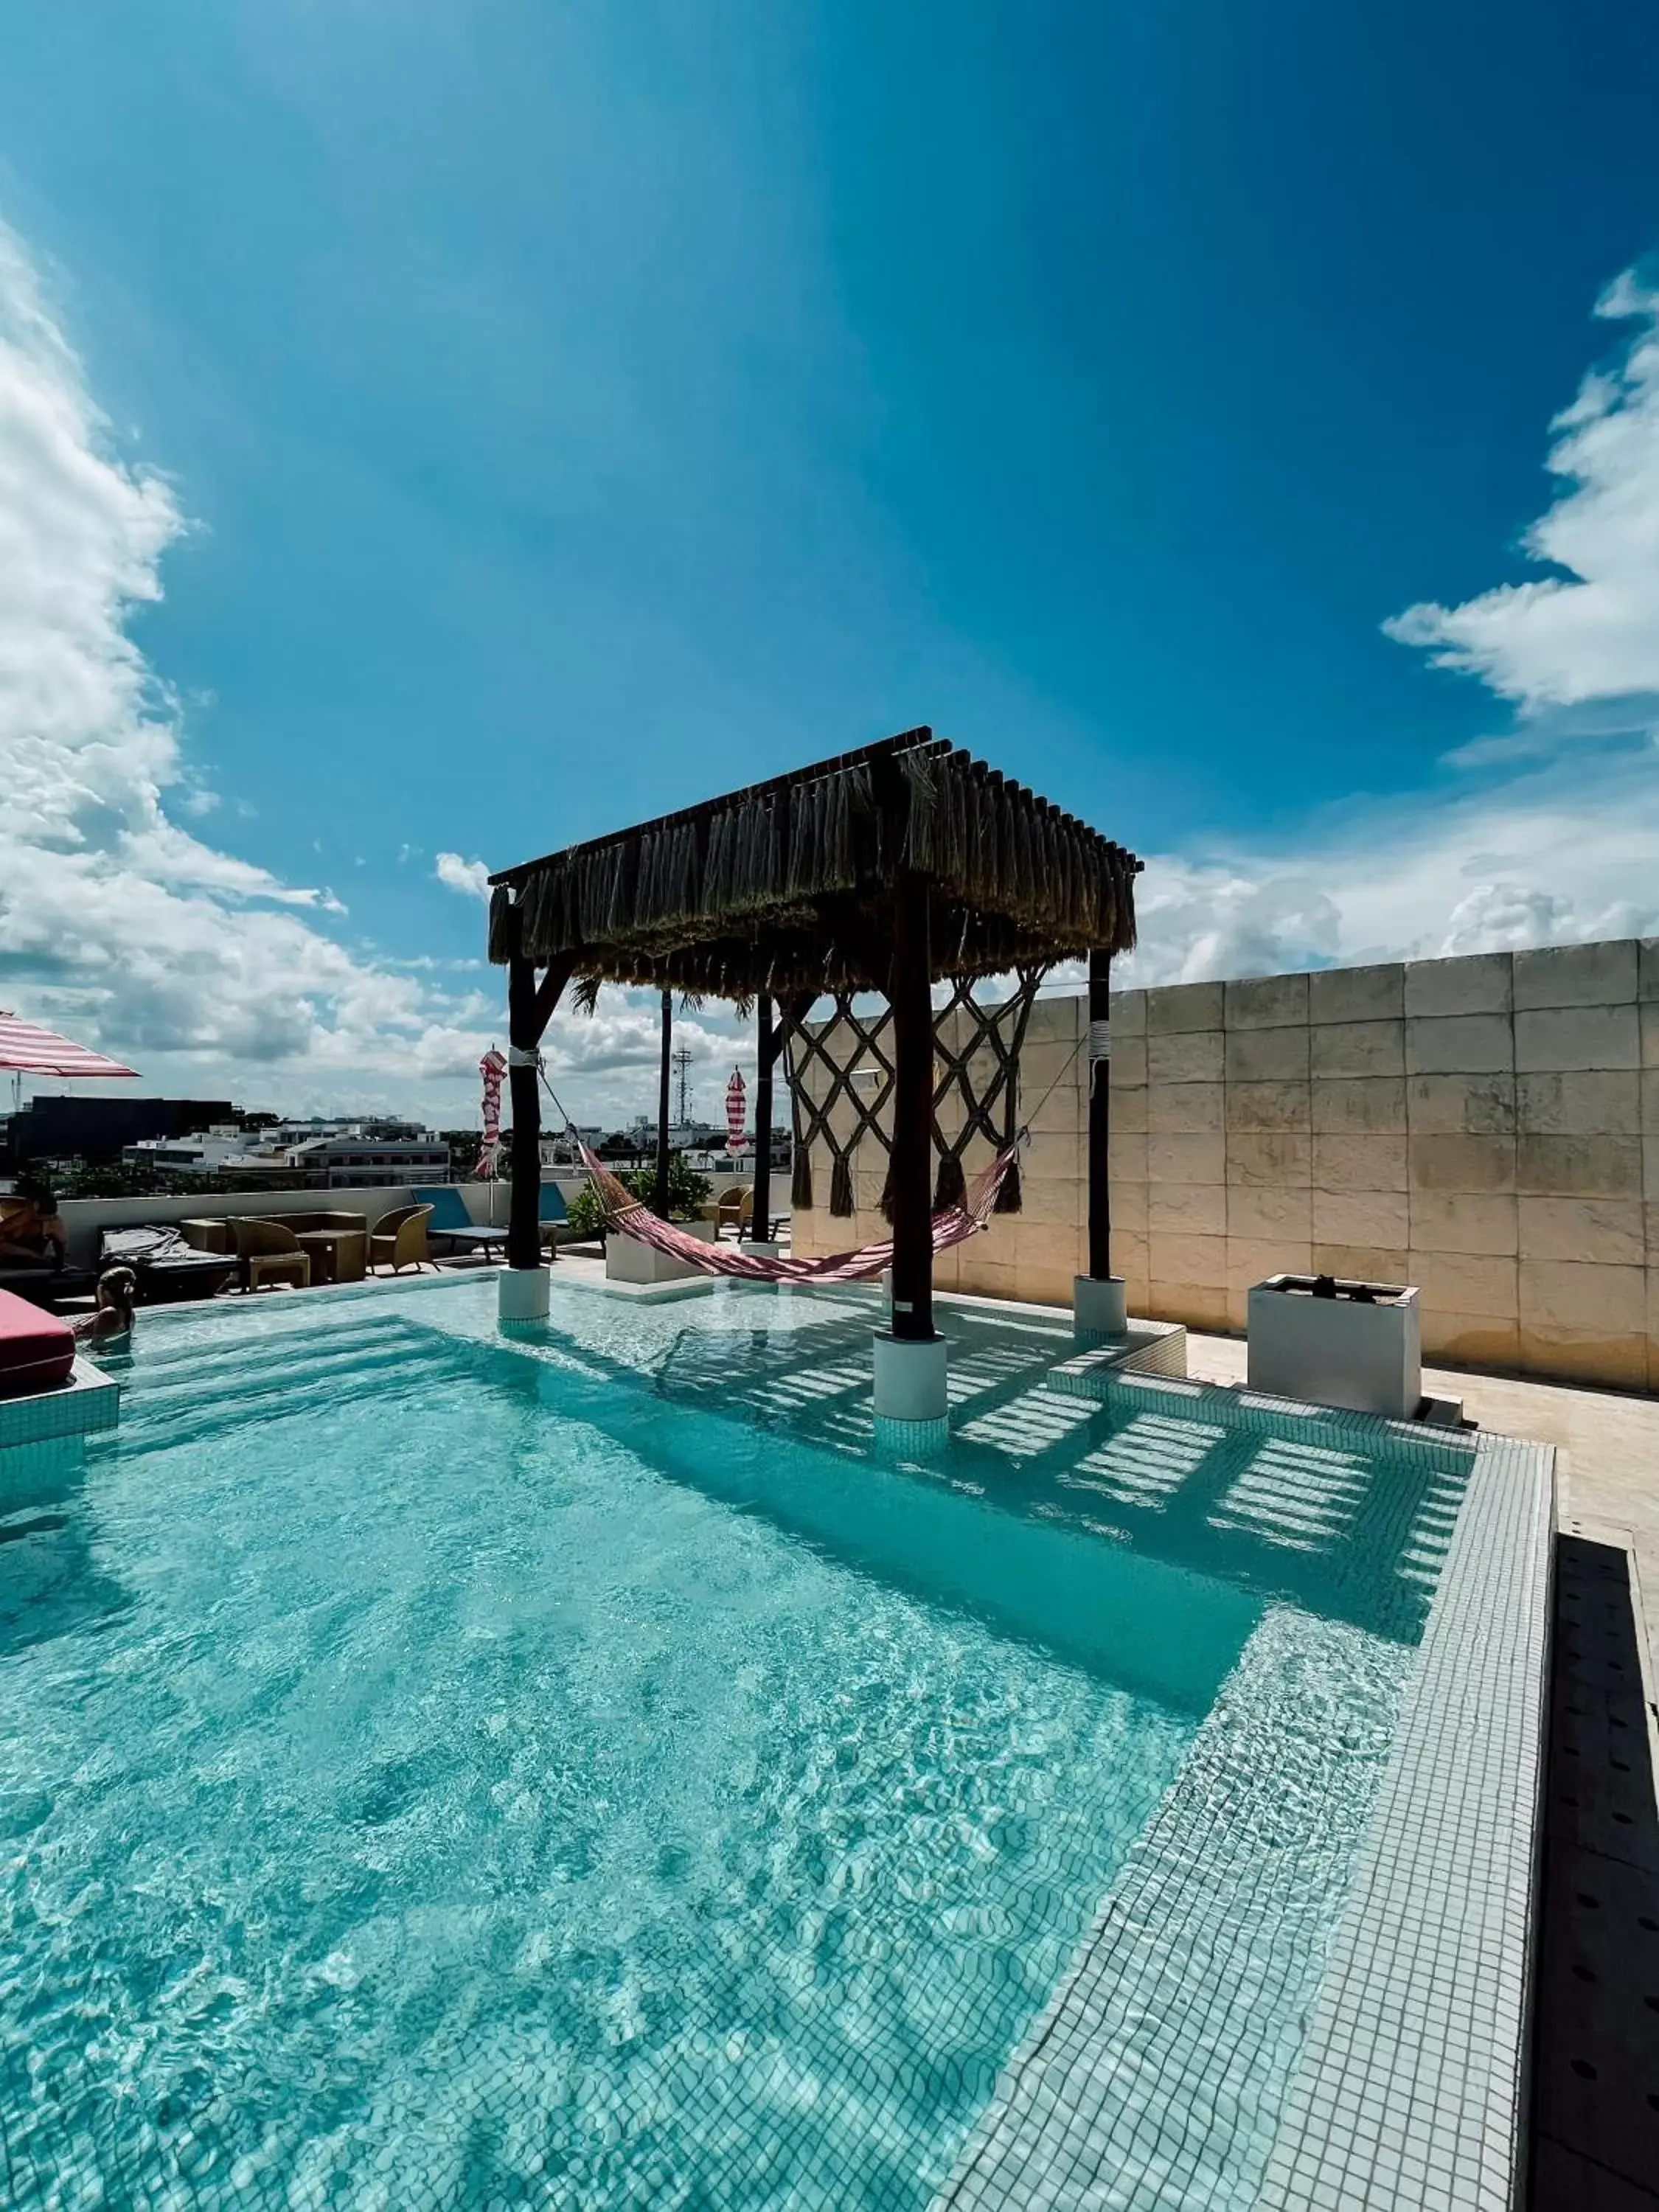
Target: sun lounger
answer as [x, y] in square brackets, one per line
[451, 1225]
[167, 1266]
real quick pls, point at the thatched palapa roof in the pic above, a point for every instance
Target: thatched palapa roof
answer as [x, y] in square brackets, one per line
[788, 885]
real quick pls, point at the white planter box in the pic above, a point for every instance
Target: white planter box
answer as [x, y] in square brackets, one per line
[1337, 1351]
[627, 1261]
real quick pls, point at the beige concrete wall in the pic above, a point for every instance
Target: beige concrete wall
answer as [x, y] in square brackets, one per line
[1486, 1128]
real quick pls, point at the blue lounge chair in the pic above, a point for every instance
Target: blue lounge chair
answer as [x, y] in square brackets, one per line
[450, 1226]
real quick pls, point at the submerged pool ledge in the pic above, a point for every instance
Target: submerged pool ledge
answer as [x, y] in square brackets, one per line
[1099, 1376]
[1407, 2092]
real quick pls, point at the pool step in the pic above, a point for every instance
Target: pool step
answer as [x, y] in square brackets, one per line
[172, 1394]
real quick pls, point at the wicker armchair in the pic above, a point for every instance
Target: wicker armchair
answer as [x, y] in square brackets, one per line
[268, 1252]
[397, 1240]
[730, 1206]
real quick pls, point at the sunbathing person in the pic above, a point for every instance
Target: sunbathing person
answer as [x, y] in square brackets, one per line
[32, 1232]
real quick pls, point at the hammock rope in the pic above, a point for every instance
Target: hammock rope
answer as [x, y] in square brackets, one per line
[952, 1223]
[630, 1217]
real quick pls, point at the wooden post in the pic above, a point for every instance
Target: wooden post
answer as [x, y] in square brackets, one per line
[524, 1234]
[660, 1198]
[1100, 1116]
[760, 1208]
[530, 1007]
[912, 1002]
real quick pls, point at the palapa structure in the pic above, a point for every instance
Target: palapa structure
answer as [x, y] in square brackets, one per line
[883, 870]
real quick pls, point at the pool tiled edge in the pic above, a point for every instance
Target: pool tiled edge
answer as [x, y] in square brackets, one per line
[90, 1401]
[1408, 2093]
[1149, 2082]
[1410, 2090]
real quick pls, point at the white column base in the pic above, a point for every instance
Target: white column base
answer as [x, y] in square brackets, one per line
[761, 1246]
[1100, 1307]
[521, 1294]
[910, 1394]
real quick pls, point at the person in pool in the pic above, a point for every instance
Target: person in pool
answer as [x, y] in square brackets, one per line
[110, 1323]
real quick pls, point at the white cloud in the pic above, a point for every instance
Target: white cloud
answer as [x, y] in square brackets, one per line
[470, 877]
[1550, 833]
[1566, 852]
[115, 920]
[204, 971]
[1594, 633]
[624, 1032]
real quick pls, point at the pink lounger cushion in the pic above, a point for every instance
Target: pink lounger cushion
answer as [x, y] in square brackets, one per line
[37, 1349]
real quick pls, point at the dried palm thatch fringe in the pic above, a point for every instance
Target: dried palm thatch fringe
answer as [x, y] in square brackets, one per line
[789, 885]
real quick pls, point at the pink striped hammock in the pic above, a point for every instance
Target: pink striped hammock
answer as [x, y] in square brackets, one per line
[630, 1217]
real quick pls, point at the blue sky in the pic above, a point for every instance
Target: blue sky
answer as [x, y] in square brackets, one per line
[534, 416]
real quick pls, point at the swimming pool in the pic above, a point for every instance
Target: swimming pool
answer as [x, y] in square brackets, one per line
[441, 1772]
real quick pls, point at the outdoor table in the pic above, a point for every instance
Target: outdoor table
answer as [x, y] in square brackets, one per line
[337, 1256]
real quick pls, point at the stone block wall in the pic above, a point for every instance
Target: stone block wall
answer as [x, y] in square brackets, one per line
[1486, 1128]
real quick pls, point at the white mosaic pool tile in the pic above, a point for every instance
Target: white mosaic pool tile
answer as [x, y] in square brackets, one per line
[909, 1439]
[1406, 2095]
[1409, 2091]
[1107, 1381]
[1147, 2085]
[89, 1401]
[1150, 2081]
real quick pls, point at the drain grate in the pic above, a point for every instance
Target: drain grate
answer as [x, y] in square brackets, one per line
[1595, 2104]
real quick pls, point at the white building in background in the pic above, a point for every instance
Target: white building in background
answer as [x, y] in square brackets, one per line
[207, 1152]
[348, 1162]
[334, 1155]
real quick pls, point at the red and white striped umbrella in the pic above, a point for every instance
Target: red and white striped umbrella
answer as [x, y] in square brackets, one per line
[736, 1115]
[27, 1049]
[493, 1069]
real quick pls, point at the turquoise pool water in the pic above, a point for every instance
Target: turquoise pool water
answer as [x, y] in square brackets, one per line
[443, 1773]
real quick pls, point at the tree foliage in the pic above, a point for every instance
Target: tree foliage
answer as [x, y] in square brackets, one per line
[687, 1193]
